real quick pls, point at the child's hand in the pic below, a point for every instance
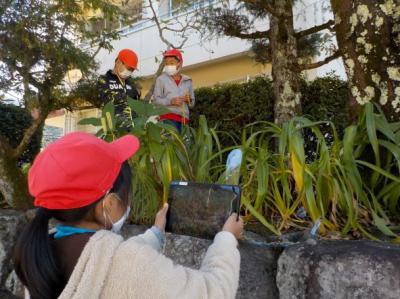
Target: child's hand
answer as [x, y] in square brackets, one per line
[187, 98]
[177, 101]
[234, 226]
[161, 218]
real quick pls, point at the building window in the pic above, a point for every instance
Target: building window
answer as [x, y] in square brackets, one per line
[131, 13]
[177, 6]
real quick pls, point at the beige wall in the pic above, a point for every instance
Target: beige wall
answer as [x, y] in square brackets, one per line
[236, 69]
[58, 121]
[69, 121]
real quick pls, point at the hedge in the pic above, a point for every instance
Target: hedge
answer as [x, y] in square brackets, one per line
[14, 120]
[231, 106]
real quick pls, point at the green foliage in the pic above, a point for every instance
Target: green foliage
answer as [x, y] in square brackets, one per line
[326, 98]
[345, 188]
[40, 43]
[230, 107]
[348, 190]
[239, 21]
[14, 121]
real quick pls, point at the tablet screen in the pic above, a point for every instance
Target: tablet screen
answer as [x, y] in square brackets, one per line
[200, 210]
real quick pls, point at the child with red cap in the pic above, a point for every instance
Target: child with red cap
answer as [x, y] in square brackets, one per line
[174, 90]
[116, 85]
[85, 184]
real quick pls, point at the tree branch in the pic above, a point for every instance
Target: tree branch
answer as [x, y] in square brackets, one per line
[100, 46]
[268, 7]
[315, 65]
[252, 35]
[160, 29]
[315, 29]
[29, 132]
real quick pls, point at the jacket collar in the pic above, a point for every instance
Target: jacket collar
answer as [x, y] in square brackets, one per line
[184, 77]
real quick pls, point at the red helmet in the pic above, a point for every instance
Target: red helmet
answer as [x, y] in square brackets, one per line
[128, 57]
[174, 53]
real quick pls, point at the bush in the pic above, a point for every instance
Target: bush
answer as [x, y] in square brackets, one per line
[351, 187]
[232, 106]
[14, 121]
[326, 99]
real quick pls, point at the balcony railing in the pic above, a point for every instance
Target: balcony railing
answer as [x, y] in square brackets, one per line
[136, 19]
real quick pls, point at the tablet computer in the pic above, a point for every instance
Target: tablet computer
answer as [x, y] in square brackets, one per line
[200, 209]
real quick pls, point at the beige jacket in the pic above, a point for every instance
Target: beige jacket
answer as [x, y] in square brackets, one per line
[112, 268]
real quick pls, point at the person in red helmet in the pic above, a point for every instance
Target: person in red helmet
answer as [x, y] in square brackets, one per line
[174, 90]
[116, 85]
[85, 184]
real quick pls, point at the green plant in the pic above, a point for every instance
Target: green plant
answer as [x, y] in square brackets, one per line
[14, 121]
[230, 107]
[347, 186]
[350, 185]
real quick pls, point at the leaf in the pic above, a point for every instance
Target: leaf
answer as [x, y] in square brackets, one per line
[139, 107]
[154, 132]
[258, 216]
[379, 170]
[381, 225]
[156, 150]
[145, 109]
[110, 121]
[109, 107]
[94, 121]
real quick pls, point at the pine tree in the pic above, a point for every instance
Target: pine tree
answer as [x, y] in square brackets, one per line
[279, 44]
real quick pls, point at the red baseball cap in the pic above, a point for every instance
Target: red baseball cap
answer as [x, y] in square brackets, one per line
[128, 57]
[174, 53]
[77, 169]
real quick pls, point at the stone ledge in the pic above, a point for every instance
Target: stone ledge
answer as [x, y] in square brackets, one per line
[313, 269]
[340, 269]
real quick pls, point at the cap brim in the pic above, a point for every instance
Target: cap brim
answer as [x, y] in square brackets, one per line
[126, 146]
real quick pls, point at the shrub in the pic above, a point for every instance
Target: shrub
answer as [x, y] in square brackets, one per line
[232, 106]
[14, 121]
[349, 192]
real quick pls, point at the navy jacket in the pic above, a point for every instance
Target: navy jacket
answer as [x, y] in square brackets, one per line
[111, 89]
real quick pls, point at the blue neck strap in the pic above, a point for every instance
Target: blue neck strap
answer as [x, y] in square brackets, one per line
[65, 231]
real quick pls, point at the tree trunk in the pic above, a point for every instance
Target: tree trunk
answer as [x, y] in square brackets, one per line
[368, 35]
[13, 185]
[284, 59]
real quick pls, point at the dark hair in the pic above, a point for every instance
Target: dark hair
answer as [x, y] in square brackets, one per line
[34, 260]
[176, 58]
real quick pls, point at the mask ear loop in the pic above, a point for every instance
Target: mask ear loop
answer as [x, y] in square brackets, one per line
[104, 211]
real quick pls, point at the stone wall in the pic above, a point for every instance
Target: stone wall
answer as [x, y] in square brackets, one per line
[340, 269]
[335, 269]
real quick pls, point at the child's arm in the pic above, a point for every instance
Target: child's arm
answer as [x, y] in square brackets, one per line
[151, 237]
[149, 274]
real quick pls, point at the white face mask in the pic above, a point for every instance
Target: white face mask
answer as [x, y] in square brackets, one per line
[125, 74]
[170, 70]
[116, 227]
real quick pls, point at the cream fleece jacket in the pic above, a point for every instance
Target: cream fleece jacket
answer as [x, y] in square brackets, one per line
[112, 268]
